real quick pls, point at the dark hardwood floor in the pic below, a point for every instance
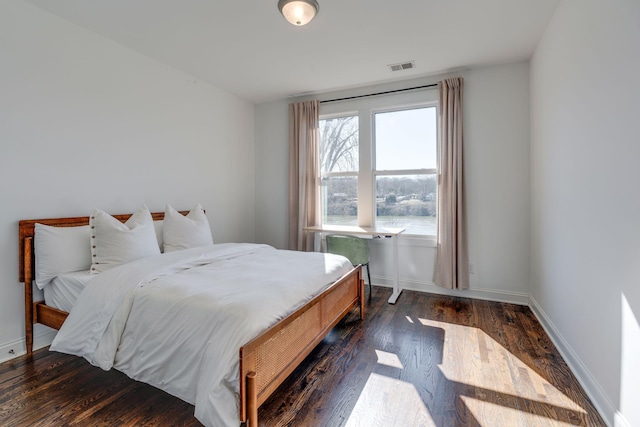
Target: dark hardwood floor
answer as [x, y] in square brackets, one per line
[426, 361]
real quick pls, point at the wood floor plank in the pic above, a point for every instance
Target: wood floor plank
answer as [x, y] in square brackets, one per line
[427, 361]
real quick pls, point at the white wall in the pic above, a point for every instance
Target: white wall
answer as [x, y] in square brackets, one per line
[497, 162]
[272, 173]
[496, 120]
[585, 200]
[85, 123]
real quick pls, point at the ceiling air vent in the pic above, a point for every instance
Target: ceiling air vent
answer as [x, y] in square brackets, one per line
[402, 66]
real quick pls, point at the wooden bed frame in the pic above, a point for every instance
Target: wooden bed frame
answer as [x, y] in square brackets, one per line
[265, 362]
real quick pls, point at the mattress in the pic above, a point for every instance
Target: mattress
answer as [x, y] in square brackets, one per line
[63, 290]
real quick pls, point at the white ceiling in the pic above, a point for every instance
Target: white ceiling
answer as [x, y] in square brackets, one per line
[247, 48]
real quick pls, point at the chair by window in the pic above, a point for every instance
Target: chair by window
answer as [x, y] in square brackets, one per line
[355, 249]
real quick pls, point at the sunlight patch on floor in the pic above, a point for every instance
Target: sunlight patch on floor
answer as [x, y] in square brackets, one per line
[481, 362]
[389, 359]
[387, 401]
[497, 415]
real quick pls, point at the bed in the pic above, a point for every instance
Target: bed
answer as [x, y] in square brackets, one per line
[262, 361]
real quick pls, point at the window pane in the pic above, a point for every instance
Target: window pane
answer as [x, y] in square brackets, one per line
[407, 201]
[406, 139]
[340, 200]
[339, 144]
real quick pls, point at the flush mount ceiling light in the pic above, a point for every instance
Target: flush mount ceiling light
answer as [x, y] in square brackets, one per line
[298, 12]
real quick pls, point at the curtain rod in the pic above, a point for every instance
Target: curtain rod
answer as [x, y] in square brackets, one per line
[378, 93]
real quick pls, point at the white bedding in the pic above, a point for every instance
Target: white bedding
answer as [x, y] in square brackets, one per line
[63, 290]
[177, 320]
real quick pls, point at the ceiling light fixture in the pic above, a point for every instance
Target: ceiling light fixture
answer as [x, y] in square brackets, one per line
[298, 12]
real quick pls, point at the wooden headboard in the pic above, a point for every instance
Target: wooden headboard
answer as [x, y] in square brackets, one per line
[26, 230]
[39, 312]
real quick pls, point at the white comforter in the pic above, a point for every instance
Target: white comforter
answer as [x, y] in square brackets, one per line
[177, 320]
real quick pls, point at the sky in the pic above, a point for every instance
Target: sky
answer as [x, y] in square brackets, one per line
[406, 139]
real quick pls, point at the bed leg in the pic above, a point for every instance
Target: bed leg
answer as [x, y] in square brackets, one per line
[28, 321]
[252, 400]
[361, 299]
[28, 296]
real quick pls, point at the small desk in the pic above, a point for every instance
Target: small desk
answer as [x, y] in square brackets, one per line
[369, 231]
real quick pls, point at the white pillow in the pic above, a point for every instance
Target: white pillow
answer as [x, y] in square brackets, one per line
[114, 243]
[60, 250]
[184, 232]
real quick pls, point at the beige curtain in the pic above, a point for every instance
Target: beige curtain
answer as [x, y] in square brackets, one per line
[452, 260]
[304, 168]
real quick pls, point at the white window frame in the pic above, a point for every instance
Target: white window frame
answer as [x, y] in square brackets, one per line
[365, 108]
[397, 172]
[340, 174]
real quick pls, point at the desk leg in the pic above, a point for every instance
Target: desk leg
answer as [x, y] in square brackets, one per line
[317, 241]
[396, 273]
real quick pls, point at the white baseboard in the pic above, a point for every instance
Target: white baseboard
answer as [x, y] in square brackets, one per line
[18, 347]
[621, 421]
[520, 298]
[598, 397]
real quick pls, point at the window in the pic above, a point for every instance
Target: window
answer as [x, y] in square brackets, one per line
[339, 153]
[379, 163]
[405, 169]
